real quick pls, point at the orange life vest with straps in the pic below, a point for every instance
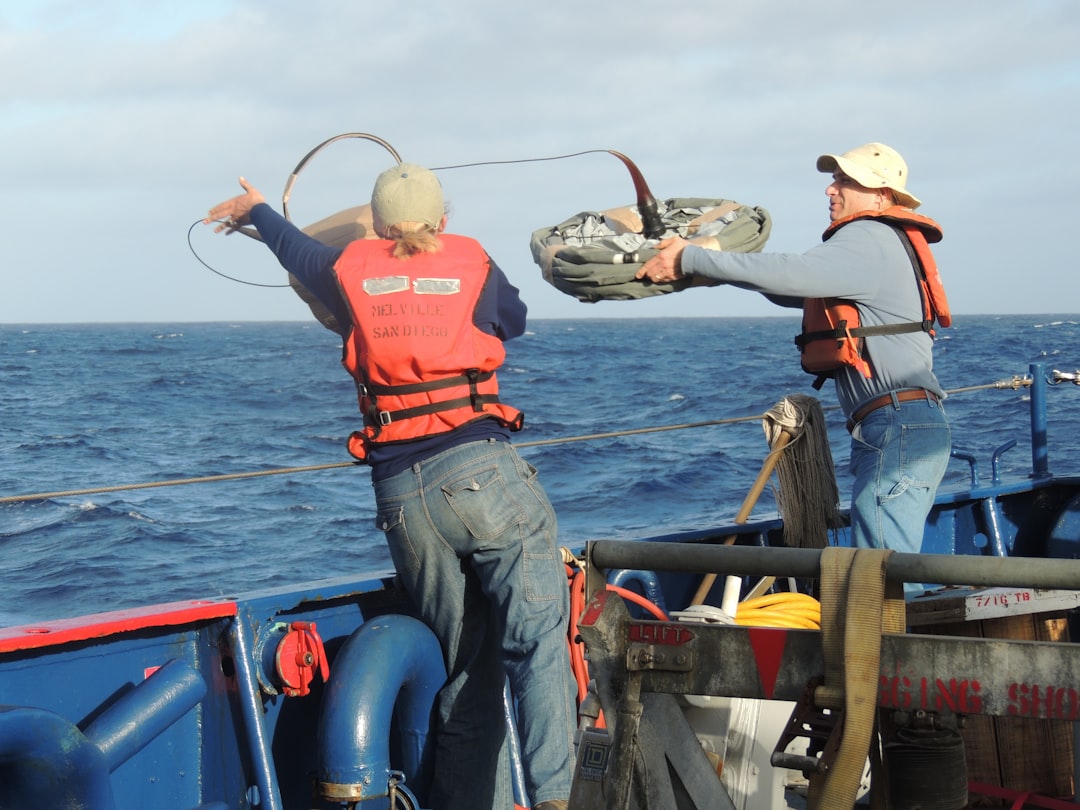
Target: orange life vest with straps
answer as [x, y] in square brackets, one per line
[832, 334]
[421, 366]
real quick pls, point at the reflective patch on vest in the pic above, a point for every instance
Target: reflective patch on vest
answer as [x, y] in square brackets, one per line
[386, 284]
[437, 286]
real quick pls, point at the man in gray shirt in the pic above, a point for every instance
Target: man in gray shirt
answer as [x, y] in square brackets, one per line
[872, 273]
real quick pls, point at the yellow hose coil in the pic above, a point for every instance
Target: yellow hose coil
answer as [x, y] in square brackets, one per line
[795, 610]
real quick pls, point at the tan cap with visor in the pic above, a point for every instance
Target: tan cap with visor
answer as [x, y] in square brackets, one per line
[873, 165]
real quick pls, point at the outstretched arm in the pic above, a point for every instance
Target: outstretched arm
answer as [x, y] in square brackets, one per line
[667, 264]
[309, 260]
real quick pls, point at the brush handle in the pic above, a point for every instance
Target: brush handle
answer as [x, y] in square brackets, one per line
[747, 507]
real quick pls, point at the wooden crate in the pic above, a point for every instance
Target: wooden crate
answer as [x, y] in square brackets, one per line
[1015, 753]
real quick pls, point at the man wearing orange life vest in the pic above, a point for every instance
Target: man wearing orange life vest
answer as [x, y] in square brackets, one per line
[870, 295]
[423, 316]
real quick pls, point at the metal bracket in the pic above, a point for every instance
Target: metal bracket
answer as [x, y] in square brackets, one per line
[822, 727]
[657, 657]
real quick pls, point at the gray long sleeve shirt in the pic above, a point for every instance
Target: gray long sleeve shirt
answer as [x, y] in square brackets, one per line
[864, 262]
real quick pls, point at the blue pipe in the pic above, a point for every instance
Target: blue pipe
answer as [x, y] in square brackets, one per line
[517, 765]
[391, 667]
[46, 761]
[647, 581]
[147, 710]
[993, 526]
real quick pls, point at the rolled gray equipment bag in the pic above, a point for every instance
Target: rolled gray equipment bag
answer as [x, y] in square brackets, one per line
[594, 256]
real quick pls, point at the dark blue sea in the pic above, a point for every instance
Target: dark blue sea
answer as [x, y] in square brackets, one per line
[108, 406]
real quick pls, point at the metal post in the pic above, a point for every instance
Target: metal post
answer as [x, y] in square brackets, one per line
[1040, 459]
[252, 710]
[627, 727]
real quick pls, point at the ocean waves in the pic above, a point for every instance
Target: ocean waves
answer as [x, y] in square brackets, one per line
[94, 407]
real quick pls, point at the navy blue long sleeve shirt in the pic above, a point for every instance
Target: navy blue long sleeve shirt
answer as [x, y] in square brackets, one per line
[499, 311]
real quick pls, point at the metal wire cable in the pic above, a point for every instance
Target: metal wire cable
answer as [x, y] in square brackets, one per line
[1012, 383]
[40, 496]
[201, 261]
[519, 160]
[250, 232]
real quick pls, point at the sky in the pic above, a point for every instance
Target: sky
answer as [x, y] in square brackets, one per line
[124, 121]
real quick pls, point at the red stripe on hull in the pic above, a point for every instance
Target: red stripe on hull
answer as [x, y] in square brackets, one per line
[103, 625]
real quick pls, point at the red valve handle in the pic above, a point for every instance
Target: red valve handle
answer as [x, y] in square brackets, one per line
[298, 655]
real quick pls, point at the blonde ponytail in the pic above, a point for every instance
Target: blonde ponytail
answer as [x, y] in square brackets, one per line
[411, 238]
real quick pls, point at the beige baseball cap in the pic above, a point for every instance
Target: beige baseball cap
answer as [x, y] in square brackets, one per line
[406, 193]
[873, 165]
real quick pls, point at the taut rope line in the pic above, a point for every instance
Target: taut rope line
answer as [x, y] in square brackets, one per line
[1012, 383]
[41, 496]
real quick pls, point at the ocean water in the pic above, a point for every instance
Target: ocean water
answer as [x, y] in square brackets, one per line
[109, 406]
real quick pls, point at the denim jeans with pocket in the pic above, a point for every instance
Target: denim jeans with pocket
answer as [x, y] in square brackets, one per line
[474, 540]
[899, 454]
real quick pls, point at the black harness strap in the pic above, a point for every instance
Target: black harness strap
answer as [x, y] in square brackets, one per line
[471, 377]
[841, 331]
[474, 400]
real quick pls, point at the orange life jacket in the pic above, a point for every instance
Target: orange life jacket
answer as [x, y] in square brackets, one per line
[421, 366]
[832, 334]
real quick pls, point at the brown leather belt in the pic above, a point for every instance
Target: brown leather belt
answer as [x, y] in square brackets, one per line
[887, 399]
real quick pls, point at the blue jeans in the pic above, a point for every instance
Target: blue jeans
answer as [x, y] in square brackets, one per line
[898, 457]
[473, 539]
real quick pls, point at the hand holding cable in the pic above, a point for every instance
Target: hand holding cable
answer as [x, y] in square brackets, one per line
[233, 213]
